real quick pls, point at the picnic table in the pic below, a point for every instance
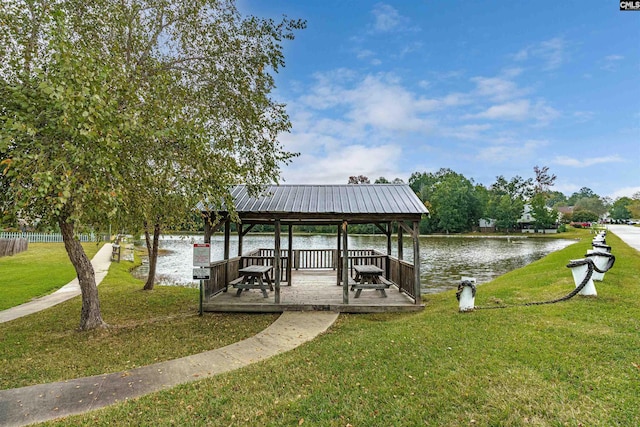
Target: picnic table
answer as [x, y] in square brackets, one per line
[369, 277]
[253, 277]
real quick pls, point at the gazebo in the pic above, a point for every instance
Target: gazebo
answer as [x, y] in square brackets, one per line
[285, 206]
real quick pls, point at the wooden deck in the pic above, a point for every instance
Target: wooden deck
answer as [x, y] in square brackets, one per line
[311, 290]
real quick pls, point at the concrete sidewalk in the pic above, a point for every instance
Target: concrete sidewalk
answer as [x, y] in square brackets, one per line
[43, 402]
[101, 262]
[628, 233]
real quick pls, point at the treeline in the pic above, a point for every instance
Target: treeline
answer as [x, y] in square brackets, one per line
[457, 204]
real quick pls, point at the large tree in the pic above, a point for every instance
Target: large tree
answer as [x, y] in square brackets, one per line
[507, 199]
[134, 111]
[619, 209]
[583, 193]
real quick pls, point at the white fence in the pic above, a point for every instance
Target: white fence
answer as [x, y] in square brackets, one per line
[45, 237]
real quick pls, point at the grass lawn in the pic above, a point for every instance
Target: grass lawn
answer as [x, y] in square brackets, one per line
[575, 363]
[145, 327]
[42, 269]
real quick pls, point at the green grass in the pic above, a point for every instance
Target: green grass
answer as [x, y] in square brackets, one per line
[575, 363]
[40, 270]
[145, 327]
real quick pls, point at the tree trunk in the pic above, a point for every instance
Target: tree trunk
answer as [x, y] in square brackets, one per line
[152, 249]
[90, 317]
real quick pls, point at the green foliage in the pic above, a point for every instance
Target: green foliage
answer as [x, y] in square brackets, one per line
[544, 216]
[451, 199]
[584, 216]
[592, 204]
[132, 113]
[556, 198]
[584, 193]
[619, 209]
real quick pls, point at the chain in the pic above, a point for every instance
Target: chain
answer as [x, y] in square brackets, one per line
[590, 268]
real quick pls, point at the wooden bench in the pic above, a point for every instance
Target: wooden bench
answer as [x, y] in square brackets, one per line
[386, 282]
[250, 275]
[233, 283]
[381, 285]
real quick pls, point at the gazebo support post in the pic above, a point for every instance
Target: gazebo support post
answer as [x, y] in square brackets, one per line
[276, 262]
[388, 261]
[240, 236]
[337, 258]
[416, 261]
[400, 256]
[227, 233]
[345, 265]
[207, 230]
[290, 253]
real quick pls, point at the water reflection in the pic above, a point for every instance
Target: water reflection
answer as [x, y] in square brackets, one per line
[443, 260]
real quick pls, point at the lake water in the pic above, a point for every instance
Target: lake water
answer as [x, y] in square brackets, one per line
[443, 260]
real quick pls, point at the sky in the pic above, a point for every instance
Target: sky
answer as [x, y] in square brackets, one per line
[485, 88]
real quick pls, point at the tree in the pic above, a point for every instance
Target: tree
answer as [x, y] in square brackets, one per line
[360, 179]
[584, 216]
[507, 199]
[556, 198]
[451, 199]
[86, 130]
[543, 181]
[544, 216]
[455, 204]
[381, 180]
[584, 193]
[591, 204]
[516, 188]
[619, 210]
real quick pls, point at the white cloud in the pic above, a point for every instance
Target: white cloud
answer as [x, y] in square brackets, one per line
[610, 62]
[551, 52]
[497, 89]
[386, 18]
[379, 102]
[625, 192]
[336, 166]
[519, 110]
[583, 116]
[506, 152]
[586, 161]
[472, 131]
[515, 110]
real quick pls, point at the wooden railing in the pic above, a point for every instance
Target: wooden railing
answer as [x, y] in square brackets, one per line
[364, 257]
[314, 258]
[222, 272]
[266, 257]
[399, 272]
[402, 274]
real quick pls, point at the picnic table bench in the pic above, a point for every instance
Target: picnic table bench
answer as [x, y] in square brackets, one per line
[369, 277]
[253, 277]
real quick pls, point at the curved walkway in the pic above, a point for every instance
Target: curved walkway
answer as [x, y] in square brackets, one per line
[44, 402]
[101, 262]
[37, 403]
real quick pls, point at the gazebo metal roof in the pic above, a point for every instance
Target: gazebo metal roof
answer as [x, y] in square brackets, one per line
[363, 202]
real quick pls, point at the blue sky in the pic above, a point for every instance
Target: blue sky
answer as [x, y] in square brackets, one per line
[483, 88]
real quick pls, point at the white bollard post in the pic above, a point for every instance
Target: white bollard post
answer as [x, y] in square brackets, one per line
[603, 262]
[581, 272]
[466, 294]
